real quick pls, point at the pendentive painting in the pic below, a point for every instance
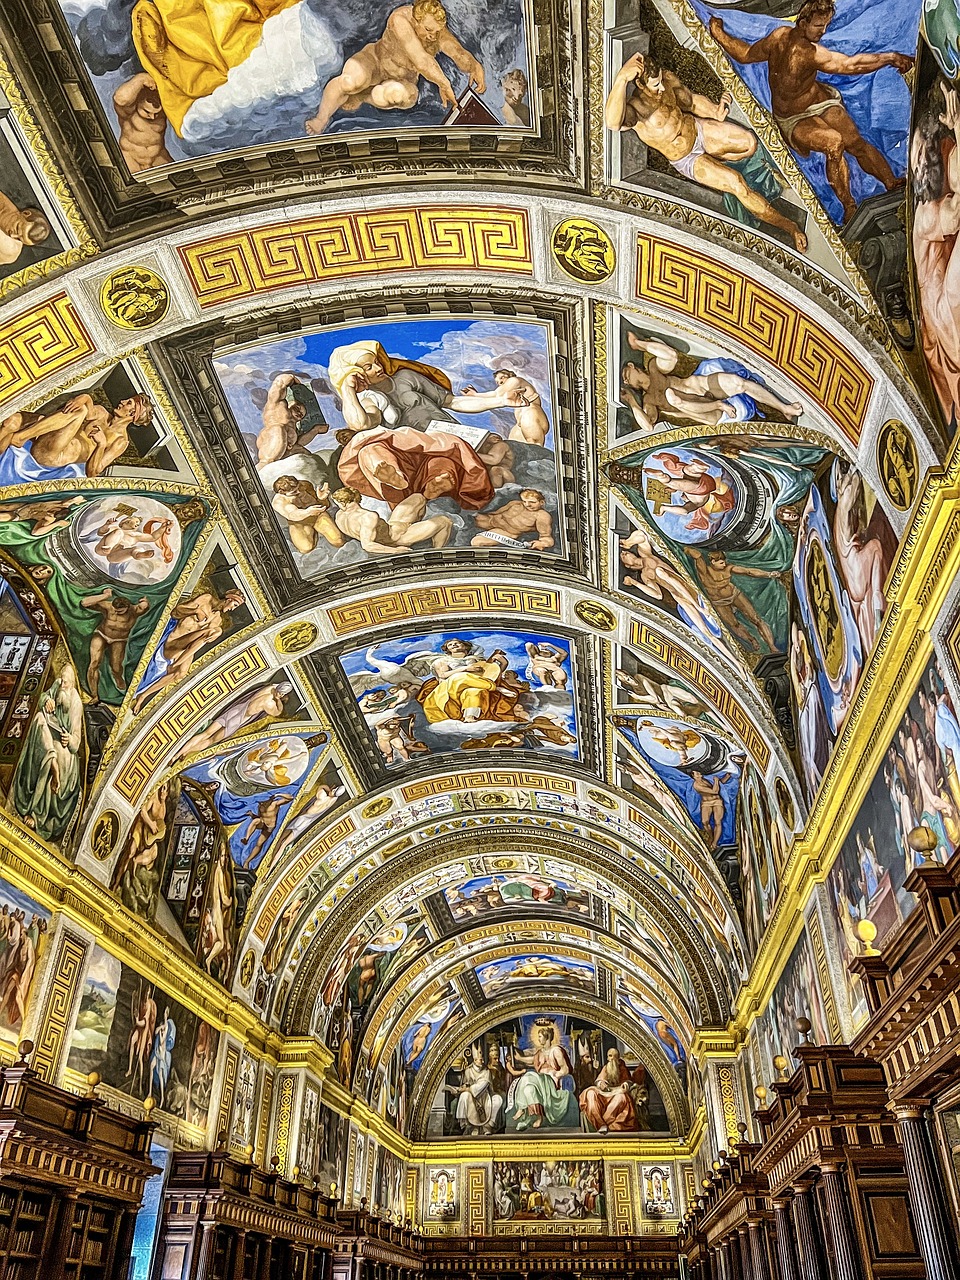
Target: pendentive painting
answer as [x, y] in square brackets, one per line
[180, 79]
[405, 436]
[466, 691]
[913, 806]
[791, 549]
[546, 1073]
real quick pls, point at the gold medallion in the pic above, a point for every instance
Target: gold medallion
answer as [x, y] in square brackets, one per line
[376, 807]
[584, 250]
[134, 297]
[595, 615]
[295, 638]
[106, 829]
[897, 463]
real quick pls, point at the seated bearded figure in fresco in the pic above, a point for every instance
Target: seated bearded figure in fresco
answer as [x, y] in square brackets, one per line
[542, 1092]
[397, 447]
[617, 1101]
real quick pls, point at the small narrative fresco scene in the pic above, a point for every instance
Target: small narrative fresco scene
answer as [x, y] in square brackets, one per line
[141, 1042]
[910, 814]
[408, 435]
[548, 1191]
[666, 381]
[23, 925]
[466, 691]
[178, 81]
[934, 187]
[110, 427]
[792, 551]
[797, 995]
[190, 860]
[541, 1073]
[836, 76]
[32, 227]
[675, 128]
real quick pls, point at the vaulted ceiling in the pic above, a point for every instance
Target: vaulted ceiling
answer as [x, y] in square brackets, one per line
[468, 524]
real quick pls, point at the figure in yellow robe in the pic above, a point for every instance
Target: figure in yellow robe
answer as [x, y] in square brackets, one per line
[189, 46]
[466, 686]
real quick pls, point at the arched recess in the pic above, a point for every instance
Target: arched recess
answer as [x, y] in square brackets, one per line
[456, 1041]
[449, 962]
[709, 975]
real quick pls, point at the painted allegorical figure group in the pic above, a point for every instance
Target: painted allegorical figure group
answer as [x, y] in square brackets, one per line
[784, 545]
[541, 1075]
[368, 450]
[181, 83]
[470, 692]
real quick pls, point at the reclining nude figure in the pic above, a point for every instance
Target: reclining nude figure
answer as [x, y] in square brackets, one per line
[386, 73]
[691, 132]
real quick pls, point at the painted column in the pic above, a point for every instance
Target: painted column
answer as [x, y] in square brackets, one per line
[925, 1184]
[845, 1265]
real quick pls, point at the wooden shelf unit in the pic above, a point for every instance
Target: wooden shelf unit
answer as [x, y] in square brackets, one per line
[72, 1173]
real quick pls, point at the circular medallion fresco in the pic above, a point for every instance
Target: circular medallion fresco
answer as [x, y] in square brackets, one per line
[584, 250]
[134, 298]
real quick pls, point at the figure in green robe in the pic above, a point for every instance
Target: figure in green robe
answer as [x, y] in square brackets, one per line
[48, 777]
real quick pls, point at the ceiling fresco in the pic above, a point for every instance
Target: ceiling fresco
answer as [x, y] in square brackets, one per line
[458, 465]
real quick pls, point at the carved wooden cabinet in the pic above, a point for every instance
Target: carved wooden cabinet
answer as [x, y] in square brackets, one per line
[72, 1174]
[225, 1219]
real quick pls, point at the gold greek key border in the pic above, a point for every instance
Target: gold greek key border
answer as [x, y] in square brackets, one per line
[57, 1011]
[477, 1201]
[728, 1102]
[686, 663]
[622, 1199]
[715, 293]
[184, 715]
[241, 264]
[281, 1129]
[427, 602]
[40, 341]
[231, 1065]
[510, 778]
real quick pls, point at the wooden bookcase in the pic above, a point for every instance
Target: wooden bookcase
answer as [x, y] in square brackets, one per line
[72, 1174]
